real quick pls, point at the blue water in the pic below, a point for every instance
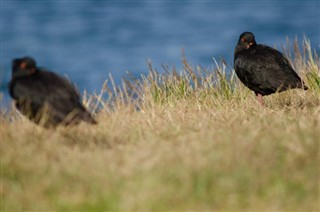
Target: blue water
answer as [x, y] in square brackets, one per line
[87, 40]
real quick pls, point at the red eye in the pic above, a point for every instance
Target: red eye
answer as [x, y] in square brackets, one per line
[23, 65]
[243, 39]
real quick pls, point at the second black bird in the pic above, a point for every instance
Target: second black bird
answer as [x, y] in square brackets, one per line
[45, 97]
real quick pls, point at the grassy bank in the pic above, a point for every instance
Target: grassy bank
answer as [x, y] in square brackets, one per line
[190, 139]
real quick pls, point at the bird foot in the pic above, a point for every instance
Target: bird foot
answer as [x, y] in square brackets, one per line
[260, 99]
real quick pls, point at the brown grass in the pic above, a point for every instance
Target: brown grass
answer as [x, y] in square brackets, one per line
[192, 139]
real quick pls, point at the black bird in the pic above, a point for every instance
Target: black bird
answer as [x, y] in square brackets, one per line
[45, 97]
[263, 69]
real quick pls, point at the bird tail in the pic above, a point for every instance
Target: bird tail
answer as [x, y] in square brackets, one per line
[303, 86]
[87, 117]
[81, 114]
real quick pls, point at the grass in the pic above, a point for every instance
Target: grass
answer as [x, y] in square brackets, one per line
[192, 139]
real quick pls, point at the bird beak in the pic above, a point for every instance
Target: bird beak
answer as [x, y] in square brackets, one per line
[248, 46]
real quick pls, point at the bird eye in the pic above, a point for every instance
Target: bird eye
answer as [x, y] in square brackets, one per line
[23, 65]
[243, 39]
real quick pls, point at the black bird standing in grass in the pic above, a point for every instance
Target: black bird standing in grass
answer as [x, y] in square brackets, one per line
[44, 97]
[263, 69]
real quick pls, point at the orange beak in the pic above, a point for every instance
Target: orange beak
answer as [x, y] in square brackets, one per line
[248, 46]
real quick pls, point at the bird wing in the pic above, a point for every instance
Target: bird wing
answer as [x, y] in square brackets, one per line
[48, 88]
[268, 69]
[279, 73]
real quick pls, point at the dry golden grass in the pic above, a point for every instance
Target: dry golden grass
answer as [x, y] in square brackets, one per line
[188, 140]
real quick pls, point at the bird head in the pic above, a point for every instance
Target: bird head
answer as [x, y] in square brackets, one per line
[23, 67]
[246, 41]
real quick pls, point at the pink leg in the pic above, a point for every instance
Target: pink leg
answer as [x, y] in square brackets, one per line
[260, 99]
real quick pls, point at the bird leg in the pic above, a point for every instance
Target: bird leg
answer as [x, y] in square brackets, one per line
[260, 99]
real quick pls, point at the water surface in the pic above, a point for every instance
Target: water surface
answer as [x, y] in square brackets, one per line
[87, 40]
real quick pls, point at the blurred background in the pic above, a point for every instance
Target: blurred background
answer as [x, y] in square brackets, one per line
[87, 40]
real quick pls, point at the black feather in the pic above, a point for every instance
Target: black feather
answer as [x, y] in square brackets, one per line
[263, 69]
[42, 95]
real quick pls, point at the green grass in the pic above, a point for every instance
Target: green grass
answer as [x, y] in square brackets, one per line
[190, 139]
